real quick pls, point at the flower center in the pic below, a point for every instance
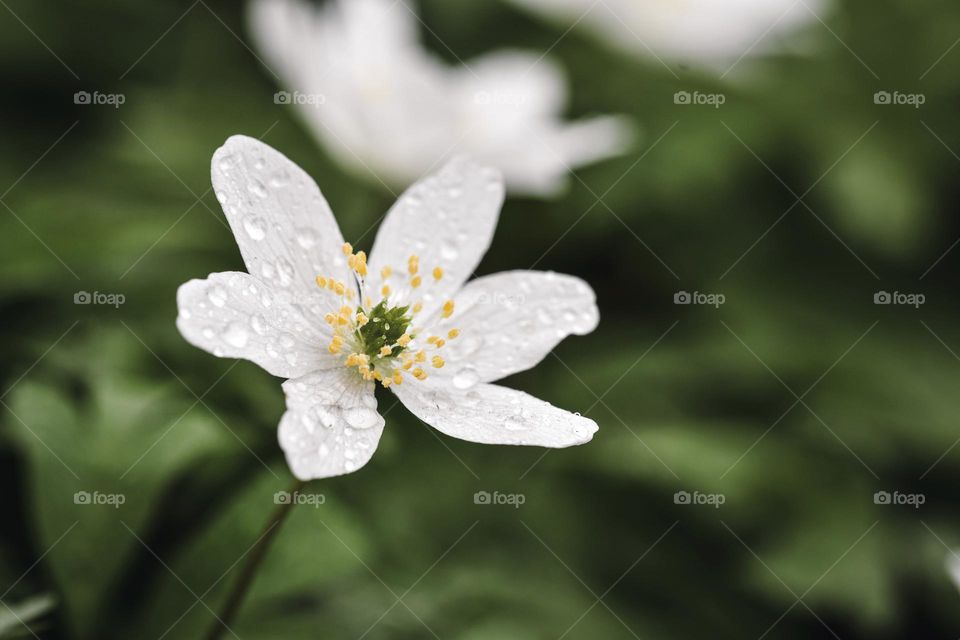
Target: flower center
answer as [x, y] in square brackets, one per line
[379, 340]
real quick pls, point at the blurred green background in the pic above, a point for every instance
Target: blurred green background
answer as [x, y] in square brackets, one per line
[796, 400]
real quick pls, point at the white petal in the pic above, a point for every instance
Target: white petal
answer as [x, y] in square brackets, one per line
[283, 226]
[491, 414]
[448, 220]
[234, 315]
[510, 321]
[331, 426]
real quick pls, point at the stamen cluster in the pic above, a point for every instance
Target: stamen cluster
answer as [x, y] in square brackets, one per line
[380, 340]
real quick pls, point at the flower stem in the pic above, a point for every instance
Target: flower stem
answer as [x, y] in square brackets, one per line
[248, 571]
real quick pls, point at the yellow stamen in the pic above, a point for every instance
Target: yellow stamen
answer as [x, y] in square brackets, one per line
[447, 309]
[415, 281]
[347, 249]
[386, 272]
[397, 377]
[404, 340]
[417, 308]
[439, 343]
[453, 333]
[421, 356]
[437, 273]
[437, 362]
[413, 264]
[321, 282]
[419, 374]
[385, 290]
[385, 351]
[362, 319]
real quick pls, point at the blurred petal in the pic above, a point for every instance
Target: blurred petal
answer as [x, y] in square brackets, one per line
[516, 102]
[331, 426]
[283, 226]
[510, 321]
[448, 220]
[234, 315]
[384, 105]
[491, 414]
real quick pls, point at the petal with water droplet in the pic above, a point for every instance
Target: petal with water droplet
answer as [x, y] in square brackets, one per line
[491, 414]
[329, 428]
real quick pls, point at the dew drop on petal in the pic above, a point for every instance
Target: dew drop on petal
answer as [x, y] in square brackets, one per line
[360, 417]
[217, 295]
[449, 251]
[306, 238]
[259, 325]
[466, 378]
[514, 423]
[235, 335]
[254, 227]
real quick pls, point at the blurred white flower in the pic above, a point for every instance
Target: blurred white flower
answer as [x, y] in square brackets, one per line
[953, 568]
[313, 311]
[692, 31]
[381, 103]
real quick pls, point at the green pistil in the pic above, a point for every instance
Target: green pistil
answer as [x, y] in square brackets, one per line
[384, 328]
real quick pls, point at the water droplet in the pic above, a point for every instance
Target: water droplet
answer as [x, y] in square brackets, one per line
[449, 251]
[514, 423]
[285, 270]
[361, 417]
[259, 324]
[217, 295]
[306, 238]
[235, 335]
[256, 188]
[466, 378]
[280, 179]
[254, 227]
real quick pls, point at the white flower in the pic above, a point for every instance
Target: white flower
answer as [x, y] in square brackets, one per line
[380, 102]
[706, 31]
[315, 312]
